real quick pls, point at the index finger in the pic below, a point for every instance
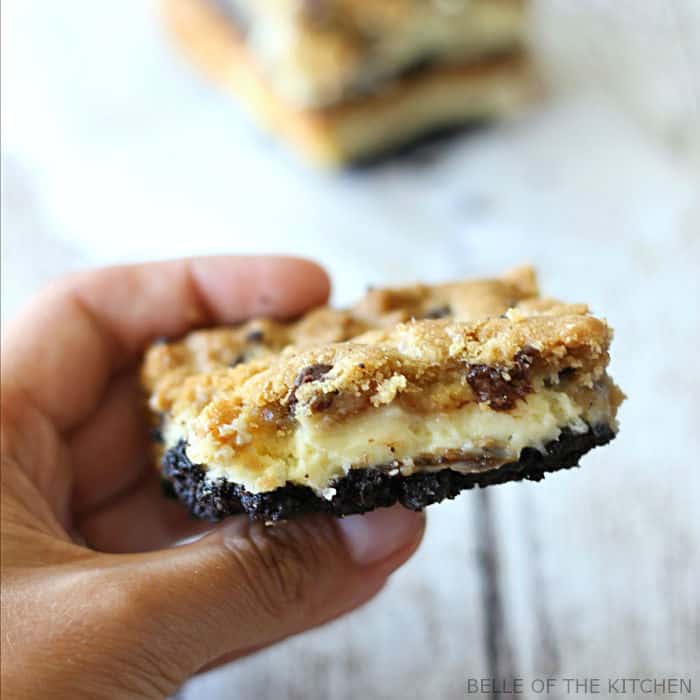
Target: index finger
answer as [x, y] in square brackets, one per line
[62, 350]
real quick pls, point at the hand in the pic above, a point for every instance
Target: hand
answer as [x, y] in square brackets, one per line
[97, 600]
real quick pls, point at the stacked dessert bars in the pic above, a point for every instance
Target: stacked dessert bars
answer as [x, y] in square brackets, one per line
[345, 81]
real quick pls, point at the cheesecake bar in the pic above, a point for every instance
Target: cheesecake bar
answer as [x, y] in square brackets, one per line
[444, 388]
[345, 80]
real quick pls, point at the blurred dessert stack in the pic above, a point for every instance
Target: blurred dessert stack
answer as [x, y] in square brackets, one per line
[347, 80]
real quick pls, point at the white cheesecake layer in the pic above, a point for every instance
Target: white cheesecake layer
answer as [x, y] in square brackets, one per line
[314, 66]
[320, 450]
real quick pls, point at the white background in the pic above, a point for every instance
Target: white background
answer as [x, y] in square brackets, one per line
[115, 150]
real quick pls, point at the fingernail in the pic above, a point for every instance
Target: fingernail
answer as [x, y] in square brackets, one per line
[381, 533]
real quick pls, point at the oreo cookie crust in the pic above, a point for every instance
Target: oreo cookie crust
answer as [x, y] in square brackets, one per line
[366, 489]
[409, 396]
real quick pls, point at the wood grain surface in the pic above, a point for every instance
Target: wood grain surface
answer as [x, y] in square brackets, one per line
[592, 573]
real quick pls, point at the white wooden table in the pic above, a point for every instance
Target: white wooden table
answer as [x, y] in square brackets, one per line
[114, 150]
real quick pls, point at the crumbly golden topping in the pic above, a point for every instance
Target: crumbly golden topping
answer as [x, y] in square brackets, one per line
[167, 364]
[427, 362]
[270, 371]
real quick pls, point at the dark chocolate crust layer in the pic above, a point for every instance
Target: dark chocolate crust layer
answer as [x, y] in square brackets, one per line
[362, 490]
[422, 148]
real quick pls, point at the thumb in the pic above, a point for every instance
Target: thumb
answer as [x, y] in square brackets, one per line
[247, 585]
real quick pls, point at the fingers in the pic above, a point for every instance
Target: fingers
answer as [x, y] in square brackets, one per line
[111, 451]
[140, 520]
[247, 585]
[62, 350]
[346, 606]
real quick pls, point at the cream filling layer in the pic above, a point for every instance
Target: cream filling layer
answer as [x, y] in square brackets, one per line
[312, 69]
[320, 451]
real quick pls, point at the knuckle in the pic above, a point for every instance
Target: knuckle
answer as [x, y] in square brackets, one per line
[62, 285]
[142, 640]
[285, 565]
[149, 675]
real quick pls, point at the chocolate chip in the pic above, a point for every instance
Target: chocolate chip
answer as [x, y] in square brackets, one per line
[438, 312]
[501, 387]
[228, 11]
[322, 402]
[522, 362]
[256, 336]
[419, 65]
[312, 373]
[567, 373]
[156, 432]
[319, 12]
[239, 359]
[490, 387]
